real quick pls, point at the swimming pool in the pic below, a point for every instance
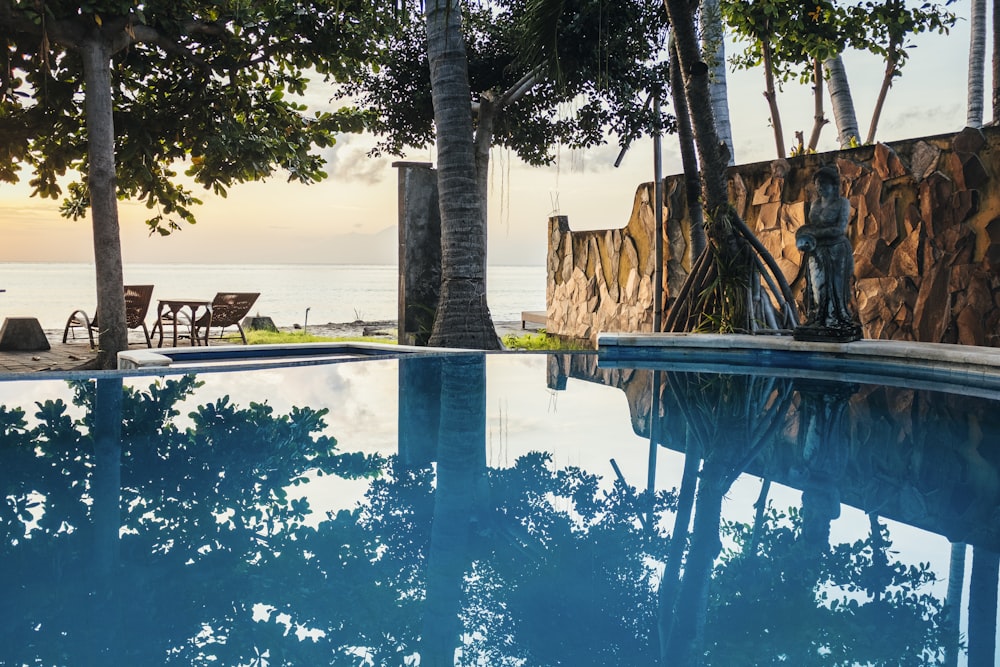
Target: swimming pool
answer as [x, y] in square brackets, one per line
[500, 509]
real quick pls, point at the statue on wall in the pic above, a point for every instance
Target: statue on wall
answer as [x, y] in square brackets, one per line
[829, 264]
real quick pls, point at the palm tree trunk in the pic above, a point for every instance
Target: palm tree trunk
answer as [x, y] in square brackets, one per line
[461, 463]
[996, 62]
[977, 63]
[483, 140]
[720, 302]
[670, 583]
[841, 102]
[102, 185]
[714, 53]
[463, 317]
[699, 101]
[691, 607]
[689, 157]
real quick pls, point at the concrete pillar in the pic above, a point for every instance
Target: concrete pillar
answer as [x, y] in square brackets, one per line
[419, 251]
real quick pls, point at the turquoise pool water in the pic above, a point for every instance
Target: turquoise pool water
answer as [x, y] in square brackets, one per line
[508, 509]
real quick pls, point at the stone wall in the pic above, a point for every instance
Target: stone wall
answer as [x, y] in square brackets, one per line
[925, 224]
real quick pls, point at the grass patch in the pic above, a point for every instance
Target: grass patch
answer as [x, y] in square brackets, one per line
[542, 341]
[534, 341]
[272, 337]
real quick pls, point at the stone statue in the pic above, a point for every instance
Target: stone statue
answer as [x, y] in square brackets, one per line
[829, 264]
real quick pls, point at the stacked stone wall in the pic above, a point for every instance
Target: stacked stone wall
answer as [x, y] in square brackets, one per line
[925, 225]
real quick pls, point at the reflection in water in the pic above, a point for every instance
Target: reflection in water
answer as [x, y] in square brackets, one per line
[153, 531]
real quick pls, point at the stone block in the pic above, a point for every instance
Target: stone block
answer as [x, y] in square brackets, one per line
[974, 173]
[906, 257]
[22, 334]
[886, 163]
[931, 314]
[969, 140]
[259, 323]
[925, 160]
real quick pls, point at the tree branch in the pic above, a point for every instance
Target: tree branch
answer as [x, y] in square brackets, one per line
[519, 89]
[145, 34]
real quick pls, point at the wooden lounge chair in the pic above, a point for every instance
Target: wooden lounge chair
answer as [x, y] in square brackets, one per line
[228, 309]
[137, 299]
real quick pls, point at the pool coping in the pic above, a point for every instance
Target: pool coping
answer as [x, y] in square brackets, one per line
[252, 356]
[861, 360]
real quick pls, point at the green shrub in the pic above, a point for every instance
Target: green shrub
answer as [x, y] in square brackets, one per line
[542, 341]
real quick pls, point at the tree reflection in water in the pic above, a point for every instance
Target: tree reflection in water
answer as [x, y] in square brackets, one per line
[204, 556]
[208, 530]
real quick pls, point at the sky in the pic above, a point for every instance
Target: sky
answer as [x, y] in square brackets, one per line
[351, 217]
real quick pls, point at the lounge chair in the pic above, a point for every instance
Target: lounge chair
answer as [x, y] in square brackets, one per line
[228, 309]
[137, 299]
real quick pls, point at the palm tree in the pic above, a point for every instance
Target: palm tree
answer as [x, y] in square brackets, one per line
[689, 157]
[977, 63]
[463, 318]
[714, 53]
[996, 63]
[461, 473]
[842, 102]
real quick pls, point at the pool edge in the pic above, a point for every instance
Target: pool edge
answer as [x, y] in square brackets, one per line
[904, 359]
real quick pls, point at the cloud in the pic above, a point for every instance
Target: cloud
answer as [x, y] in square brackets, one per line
[592, 160]
[348, 161]
[29, 212]
[923, 121]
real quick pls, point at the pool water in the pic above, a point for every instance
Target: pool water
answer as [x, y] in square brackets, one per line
[503, 509]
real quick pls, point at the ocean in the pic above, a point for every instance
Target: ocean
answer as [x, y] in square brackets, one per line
[332, 293]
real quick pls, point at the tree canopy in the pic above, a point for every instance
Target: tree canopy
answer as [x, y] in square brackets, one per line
[608, 57]
[120, 91]
[789, 38]
[211, 86]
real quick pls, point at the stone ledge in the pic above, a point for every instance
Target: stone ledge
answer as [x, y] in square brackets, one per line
[963, 368]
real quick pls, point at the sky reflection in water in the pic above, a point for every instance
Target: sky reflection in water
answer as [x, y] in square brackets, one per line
[506, 509]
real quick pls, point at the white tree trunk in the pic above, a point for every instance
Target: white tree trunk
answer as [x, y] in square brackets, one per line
[956, 580]
[841, 102]
[996, 62]
[977, 63]
[713, 49]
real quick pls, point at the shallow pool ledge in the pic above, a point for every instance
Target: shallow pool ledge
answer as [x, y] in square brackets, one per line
[926, 359]
[271, 353]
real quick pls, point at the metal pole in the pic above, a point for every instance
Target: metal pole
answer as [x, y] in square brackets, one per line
[658, 216]
[654, 431]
